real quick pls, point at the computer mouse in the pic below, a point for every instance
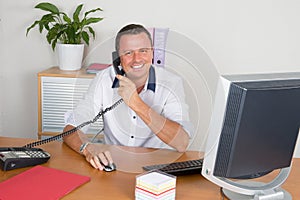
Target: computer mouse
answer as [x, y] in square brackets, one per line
[110, 167]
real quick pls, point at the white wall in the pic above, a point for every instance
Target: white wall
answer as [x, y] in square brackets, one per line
[239, 36]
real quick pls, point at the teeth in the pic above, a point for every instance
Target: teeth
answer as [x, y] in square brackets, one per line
[137, 66]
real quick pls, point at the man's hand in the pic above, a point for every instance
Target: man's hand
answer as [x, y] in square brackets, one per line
[94, 153]
[168, 131]
[127, 89]
[98, 157]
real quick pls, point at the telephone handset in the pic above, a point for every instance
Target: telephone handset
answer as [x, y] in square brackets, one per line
[116, 63]
[18, 157]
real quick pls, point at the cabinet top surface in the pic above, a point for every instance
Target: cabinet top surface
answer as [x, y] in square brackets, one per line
[56, 72]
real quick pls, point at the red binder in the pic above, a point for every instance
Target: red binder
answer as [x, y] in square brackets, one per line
[40, 183]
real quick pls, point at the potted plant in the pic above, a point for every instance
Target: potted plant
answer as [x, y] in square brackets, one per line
[66, 34]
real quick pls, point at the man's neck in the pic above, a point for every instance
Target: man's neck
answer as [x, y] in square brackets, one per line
[140, 83]
[139, 89]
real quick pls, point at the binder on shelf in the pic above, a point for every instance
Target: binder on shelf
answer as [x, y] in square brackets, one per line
[160, 36]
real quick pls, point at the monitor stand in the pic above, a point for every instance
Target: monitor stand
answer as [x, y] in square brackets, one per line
[248, 189]
[273, 194]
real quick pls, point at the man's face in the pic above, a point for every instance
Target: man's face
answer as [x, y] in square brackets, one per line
[136, 55]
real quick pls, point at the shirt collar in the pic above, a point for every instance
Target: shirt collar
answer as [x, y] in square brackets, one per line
[151, 80]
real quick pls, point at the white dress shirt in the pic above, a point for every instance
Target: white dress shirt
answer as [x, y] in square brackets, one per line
[163, 92]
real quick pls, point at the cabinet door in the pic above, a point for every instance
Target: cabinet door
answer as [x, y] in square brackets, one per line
[59, 95]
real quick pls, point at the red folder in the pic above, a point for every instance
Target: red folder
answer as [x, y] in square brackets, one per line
[40, 183]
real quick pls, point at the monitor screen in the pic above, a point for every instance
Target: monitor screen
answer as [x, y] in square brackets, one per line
[254, 125]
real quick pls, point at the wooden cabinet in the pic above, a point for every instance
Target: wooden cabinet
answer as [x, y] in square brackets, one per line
[58, 92]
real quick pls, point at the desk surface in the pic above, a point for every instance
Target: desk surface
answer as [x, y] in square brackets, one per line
[120, 184]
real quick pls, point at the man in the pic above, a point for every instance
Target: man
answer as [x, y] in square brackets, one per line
[154, 113]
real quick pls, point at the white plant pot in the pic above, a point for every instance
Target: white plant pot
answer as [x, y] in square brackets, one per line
[70, 56]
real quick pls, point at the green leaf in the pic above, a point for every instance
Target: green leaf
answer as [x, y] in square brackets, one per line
[76, 27]
[85, 37]
[91, 11]
[48, 7]
[32, 26]
[41, 26]
[53, 33]
[66, 18]
[91, 31]
[46, 27]
[50, 37]
[70, 31]
[54, 44]
[48, 18]
[93, 20]
[62, 36]
[77, 12]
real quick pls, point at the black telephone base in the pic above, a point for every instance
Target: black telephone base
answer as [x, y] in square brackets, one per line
[19, 157]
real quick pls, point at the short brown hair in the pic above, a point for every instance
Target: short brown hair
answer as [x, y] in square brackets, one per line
[132, 29]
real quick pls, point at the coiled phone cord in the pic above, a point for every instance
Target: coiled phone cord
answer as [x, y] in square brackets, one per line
[56, 137]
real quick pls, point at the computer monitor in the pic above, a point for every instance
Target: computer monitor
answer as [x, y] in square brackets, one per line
[253, 131]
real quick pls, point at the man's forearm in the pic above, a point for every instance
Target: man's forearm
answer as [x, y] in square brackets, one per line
[74, 140]
[168, 131]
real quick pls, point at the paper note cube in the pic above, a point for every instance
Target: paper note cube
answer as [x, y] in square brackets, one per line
[155, 185]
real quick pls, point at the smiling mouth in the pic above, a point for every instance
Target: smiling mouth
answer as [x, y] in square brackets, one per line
[137, 66]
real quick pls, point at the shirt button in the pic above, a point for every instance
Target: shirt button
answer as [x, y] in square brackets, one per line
[134, 117]
[132, 136]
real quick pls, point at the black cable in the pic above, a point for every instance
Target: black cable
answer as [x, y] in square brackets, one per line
[56, 137]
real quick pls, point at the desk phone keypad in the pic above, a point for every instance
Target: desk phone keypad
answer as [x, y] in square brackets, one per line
[31, 154]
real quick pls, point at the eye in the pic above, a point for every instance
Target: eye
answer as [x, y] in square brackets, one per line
[127, 53]
[144, 50]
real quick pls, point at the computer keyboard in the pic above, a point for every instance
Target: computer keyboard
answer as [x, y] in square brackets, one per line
[178, 168]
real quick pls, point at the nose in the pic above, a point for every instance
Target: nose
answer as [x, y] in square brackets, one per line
[137, 56]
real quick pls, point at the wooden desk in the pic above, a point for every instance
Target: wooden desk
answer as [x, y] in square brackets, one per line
[120, 184]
